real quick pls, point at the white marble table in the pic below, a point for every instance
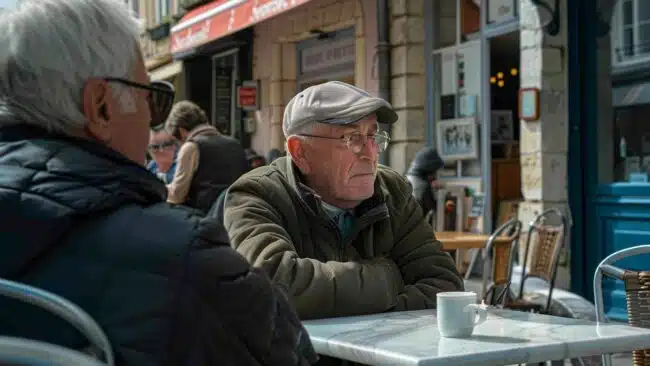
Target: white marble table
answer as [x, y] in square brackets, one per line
[506, 337]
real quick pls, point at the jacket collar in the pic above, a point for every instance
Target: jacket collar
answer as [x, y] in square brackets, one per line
[204, 129]
[93, 162]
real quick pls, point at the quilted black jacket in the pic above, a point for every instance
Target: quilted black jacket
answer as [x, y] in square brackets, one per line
[83, 222]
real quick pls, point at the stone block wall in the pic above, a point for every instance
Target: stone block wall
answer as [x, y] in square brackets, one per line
[274, 63]
[544, 143]
[274, 57]
[408, 84]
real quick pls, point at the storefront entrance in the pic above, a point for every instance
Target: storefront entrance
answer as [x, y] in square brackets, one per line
[473, 98]
[609, 157]
[225, 78]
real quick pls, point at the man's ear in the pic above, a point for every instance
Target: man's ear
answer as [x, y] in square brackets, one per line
[96, 103]
[296, 150]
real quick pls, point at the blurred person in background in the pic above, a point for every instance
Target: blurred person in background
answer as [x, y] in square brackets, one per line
[80, 215]
[422, 174]
[162, 148]
[207, 163]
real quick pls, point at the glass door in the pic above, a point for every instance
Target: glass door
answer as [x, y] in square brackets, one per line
[225, 75]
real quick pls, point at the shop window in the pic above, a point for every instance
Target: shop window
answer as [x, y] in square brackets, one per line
[452, 29]
[631, 32]
[162, 11]
[632, 143]
[457, 81]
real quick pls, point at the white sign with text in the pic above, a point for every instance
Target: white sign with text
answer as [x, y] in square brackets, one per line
[328, 54]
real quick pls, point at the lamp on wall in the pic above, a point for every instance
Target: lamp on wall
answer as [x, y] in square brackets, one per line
[549, 15]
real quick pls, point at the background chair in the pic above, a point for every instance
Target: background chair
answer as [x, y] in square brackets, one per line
[502, 259]
[550, 239]
[637, 293]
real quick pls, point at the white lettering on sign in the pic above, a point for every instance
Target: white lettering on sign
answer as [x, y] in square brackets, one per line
[328, 55]
[266, 10]
[190, 39]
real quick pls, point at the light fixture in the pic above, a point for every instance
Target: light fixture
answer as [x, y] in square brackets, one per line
[514, 71]
[493, 80]
[499, 75]
[549, 16]
[501, 83]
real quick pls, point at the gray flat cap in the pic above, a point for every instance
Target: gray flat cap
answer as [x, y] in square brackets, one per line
[333, 102]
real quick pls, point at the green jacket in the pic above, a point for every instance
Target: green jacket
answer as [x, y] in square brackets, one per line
[391, 261]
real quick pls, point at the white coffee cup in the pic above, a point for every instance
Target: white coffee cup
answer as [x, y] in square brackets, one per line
[458, 313]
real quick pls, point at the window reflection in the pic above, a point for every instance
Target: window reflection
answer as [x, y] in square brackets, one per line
[632, 143]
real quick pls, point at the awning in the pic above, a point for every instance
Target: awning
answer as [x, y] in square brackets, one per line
[223, 17]
[629, 95]
[167, 71]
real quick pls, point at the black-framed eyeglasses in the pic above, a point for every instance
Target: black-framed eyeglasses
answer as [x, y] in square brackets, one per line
[356, 141]
[162, 145]
[161, 97]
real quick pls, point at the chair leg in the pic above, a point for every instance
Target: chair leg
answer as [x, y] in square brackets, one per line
[475, 254]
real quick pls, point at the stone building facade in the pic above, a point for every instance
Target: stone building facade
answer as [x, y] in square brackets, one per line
[275, 64]
[544, 143]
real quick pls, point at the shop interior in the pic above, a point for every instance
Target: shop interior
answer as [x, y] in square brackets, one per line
[458, 77]
[506, 167]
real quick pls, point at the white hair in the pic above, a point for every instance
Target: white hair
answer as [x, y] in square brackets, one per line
[48, 51]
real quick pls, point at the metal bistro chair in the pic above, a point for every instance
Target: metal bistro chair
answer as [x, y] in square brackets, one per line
[550, 239]
[637, 293]
[20, 351]
[501, 263]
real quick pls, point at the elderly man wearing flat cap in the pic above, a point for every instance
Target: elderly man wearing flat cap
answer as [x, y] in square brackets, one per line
[341, 233]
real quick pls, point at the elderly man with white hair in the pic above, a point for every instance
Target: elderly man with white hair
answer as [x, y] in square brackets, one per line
[80, 216]
[342, 233]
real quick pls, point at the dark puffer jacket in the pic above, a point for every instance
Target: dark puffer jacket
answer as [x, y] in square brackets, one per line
[82, 221]
[425, 164]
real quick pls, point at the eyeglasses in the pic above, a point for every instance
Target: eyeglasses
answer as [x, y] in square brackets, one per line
[161, 146]
[356, 141]
[161, 98]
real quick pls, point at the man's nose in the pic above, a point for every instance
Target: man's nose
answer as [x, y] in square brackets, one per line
[369, 151]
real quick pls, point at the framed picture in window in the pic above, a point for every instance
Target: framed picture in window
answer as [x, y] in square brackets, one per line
[457, 139]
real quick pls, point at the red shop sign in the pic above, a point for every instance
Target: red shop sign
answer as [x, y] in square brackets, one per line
[223, 17]
[248, 95]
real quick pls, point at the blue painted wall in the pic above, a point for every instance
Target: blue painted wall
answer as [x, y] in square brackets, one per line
[607, 217]
[623, 221]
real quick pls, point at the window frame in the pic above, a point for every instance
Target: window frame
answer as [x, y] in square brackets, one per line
[162, 10]
[618, 33]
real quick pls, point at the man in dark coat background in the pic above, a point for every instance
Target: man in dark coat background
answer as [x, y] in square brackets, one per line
[422, 175]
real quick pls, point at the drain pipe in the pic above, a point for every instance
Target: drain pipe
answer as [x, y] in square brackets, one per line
[383, 60]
